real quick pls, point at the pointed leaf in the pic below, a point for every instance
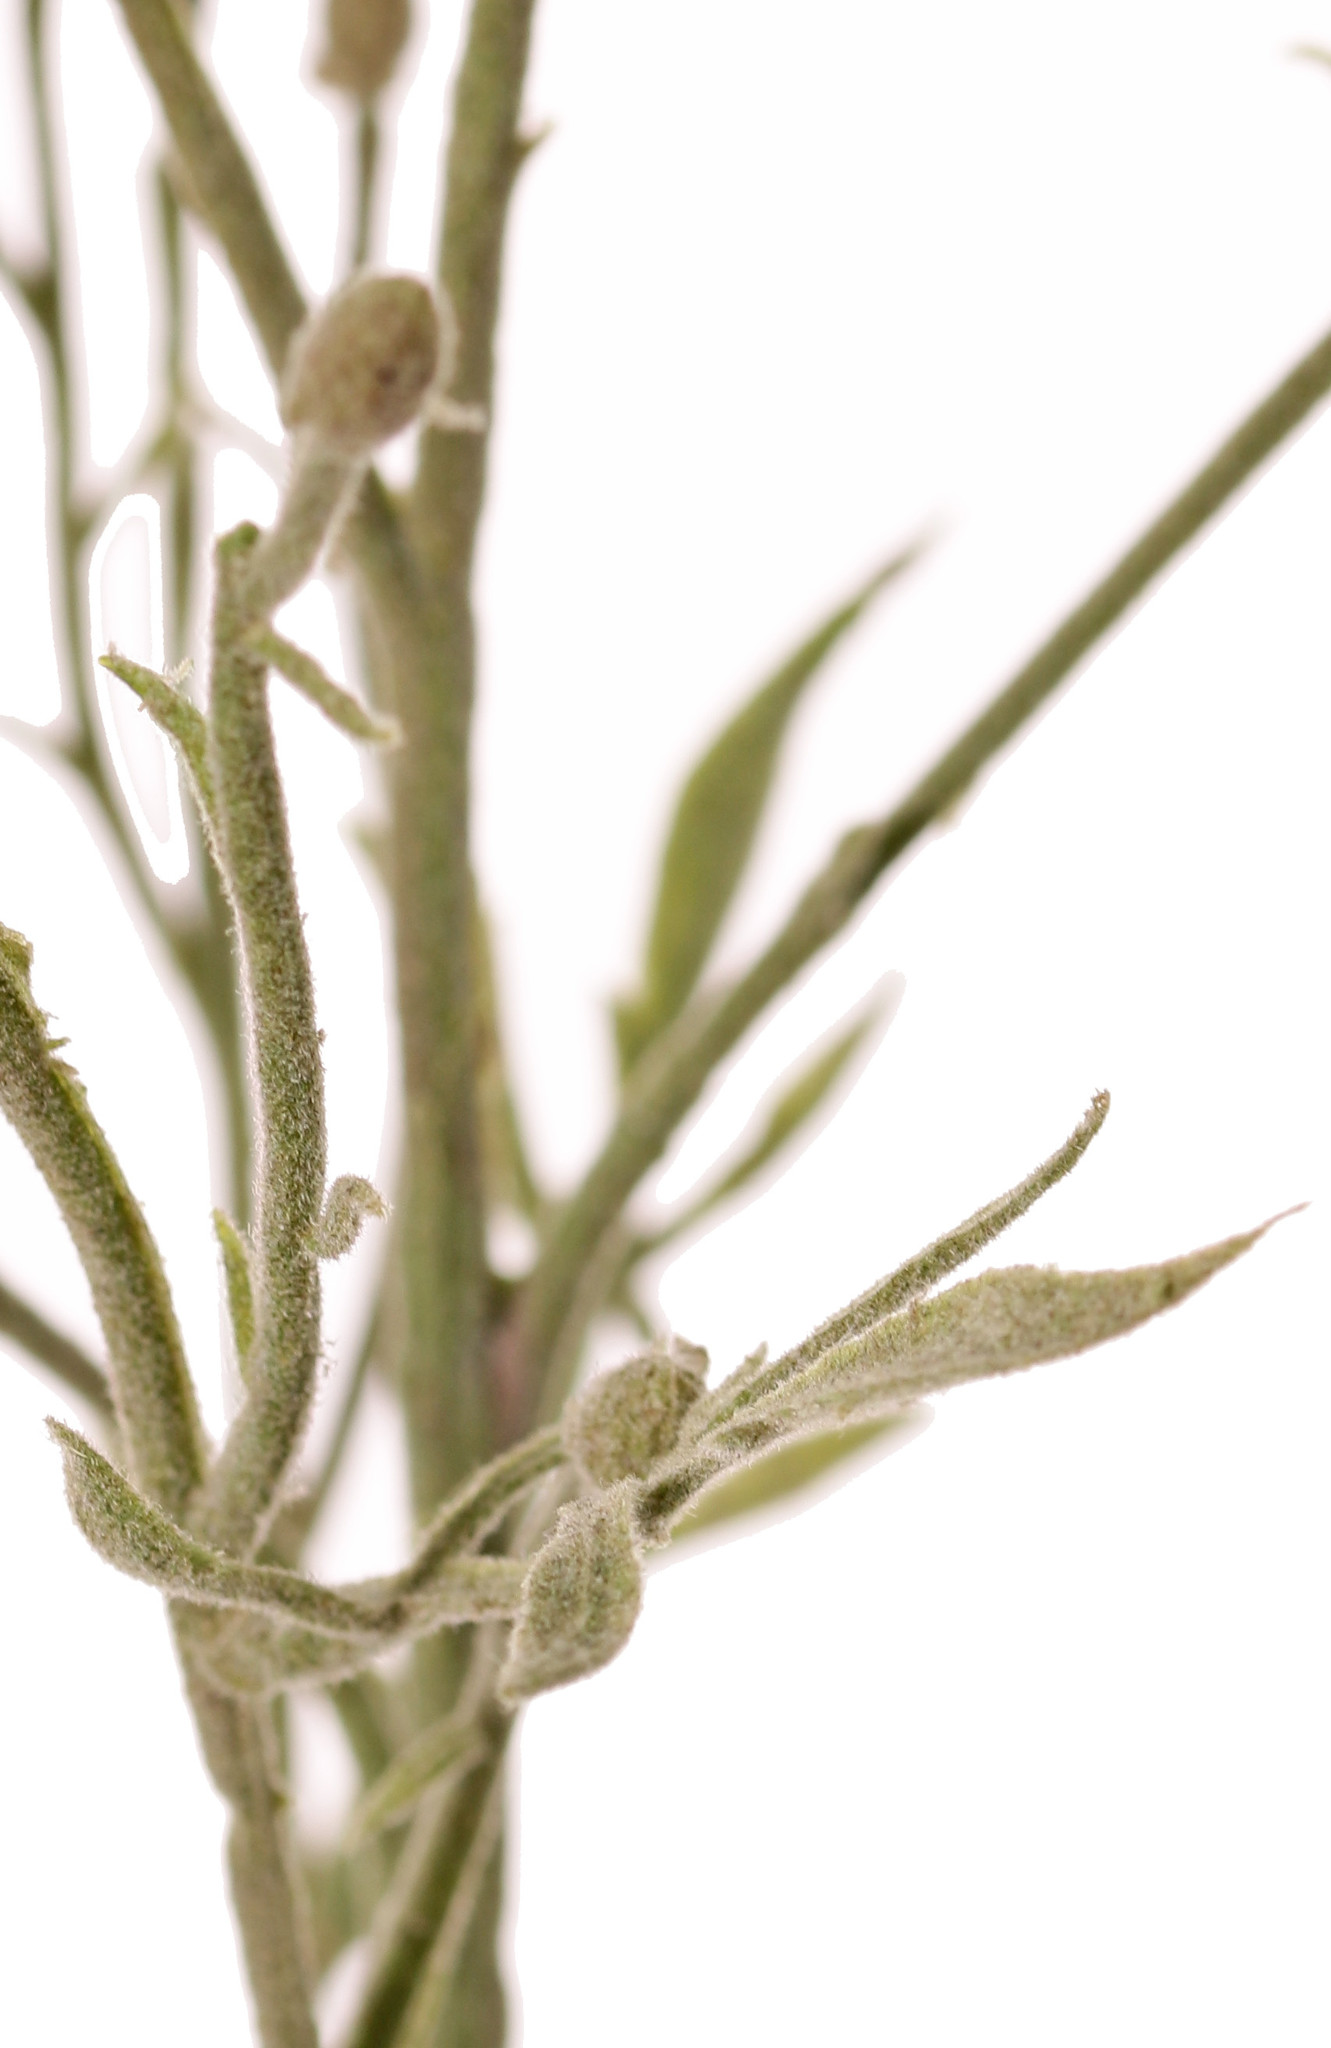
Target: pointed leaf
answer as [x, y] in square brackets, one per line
[1004, 1321]
[338, 705]
[785, 1475]
[445, 1749]
[172, 713]
[786, 1115]
[239, 1290]
[715, 823]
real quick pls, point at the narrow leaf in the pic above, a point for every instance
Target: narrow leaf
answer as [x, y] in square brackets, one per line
[786, 1115]
[239, 1291]
[715, 823]
[785, 1475]
[304, 673]
[1004, 1321]
[172, 713]
[444, 1749]
[350, 1200]
[580, 1600]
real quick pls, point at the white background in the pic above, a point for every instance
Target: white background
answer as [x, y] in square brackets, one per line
[1021, 1736]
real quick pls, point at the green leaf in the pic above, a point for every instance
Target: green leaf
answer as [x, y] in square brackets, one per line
[1004, 1321]
[445, 1749]
[173, 714]
[239, 1290]
[783, 1117]
[136, 1537]
[716, 820]
[304, 673]
[580, 1600]
[784, 1475]
[349, 1201]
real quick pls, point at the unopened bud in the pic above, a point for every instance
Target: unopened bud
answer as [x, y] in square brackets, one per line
[362, 367]
[580, 1598]
[363, 40]
[624, 1420]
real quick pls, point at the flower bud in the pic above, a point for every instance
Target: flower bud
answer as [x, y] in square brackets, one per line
[363, 40]
[361, 367]
[624, 1420]
[580, 1598]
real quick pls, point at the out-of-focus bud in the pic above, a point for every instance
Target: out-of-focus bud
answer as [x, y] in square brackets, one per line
[580, 1600]
[363, 40]
[624, 1420]
[361, 367]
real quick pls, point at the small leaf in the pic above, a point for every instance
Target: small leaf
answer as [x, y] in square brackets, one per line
[785, 1115]
[239, 1292]
[784, 1475]
[580, 1600]
[445, 1749]
[350, 1200]
[716, 820]
[623, 1420]
[304, 673]
[172, 713]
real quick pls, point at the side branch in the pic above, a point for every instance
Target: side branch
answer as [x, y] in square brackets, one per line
[223, 188]
[675, 1072]
[59, 1354]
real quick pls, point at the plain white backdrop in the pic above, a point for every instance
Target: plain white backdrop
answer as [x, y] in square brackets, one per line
[1020, 1737]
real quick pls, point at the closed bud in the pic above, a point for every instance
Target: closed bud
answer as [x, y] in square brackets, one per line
[624, 1420]
[363, 40]
[362, 367]
[580, 1598]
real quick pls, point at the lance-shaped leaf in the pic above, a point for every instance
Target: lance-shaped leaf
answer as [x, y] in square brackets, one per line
[143, 1542]
[785, 1476]
[581, 1597]
[239, 1287]
[443, 1750]
[337, 704]
[785, 1116]
[715, 823]
[907, 1282]
[172, 713]
[350, 1200]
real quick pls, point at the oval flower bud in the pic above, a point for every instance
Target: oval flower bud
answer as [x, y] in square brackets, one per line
[625, 1419]
[363, 41]
[361, 367]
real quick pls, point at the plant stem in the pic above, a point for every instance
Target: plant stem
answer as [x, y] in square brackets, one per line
[69, 1363]
[238, 1744]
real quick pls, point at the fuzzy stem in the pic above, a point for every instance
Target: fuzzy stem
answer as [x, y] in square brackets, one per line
[238, 1744]
[255, 856]
[673, 1075]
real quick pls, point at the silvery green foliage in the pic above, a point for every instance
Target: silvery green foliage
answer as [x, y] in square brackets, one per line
[485, 1367]
[580, 1598]
[624, 1420]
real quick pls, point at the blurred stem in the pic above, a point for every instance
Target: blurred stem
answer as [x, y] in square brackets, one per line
[541, 1345]
[367, 167]
[430, 655]
[60, 1355]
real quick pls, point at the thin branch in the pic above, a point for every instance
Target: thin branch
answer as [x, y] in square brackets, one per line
[60, 1355]
[223, 189]
[675, 1072]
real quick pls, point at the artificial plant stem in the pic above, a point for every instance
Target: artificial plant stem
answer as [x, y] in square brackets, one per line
[45, 1101]
[289, 1143]
[238, 1744]
[60, 1356]
[440, 1238]
[674, 1075]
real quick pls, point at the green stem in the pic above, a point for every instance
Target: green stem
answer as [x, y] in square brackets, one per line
[289, 1142]
[63, 1358]
[675, 1072]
